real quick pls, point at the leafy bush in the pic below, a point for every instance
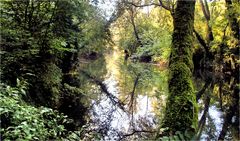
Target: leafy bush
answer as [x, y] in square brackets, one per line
[21, 121]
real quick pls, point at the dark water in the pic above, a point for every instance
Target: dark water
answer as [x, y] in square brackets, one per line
[135, 100]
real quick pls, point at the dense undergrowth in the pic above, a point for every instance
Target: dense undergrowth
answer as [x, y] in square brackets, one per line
[23, 121]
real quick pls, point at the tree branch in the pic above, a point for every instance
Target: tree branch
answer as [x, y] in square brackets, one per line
[202, 42]
[201, 92]
[144, 5]
[160, 4]
[135, 28]
[115, 15]
[103, 87]
[164, 6]
[136, 131]
[202, 121]
[205, 9]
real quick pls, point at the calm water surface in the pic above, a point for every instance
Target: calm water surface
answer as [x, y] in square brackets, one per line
[141, 89]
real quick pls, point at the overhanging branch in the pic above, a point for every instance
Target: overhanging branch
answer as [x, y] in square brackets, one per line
[160, 4]
[202, 42]
[144, 5]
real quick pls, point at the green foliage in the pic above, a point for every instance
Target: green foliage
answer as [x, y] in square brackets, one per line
[44, 39]
[21, 121]
[31, 28]
[52, 79]
[157, 42]
[179, 136]
[94, 35]
[60, 46]
[40, 43]
[154, 34]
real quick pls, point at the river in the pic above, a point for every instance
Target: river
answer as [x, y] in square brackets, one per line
[132, 106]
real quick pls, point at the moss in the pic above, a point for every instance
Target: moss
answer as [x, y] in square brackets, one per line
[181, 112]
[184, 55]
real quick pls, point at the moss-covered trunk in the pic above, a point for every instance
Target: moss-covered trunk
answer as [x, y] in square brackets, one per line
[231, 81]
[181, 109]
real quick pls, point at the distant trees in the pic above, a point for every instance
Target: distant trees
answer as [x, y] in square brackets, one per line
[145, 35]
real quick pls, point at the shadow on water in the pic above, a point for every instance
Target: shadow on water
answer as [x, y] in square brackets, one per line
[128, 100]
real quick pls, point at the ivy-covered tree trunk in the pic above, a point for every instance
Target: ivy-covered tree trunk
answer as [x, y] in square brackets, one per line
[181, 109]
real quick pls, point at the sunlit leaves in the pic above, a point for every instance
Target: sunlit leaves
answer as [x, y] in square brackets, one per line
[60, 45]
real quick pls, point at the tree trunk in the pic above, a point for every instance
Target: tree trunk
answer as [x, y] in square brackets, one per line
[181, 109]
[206, 13]
[233, 109]
[139, 43]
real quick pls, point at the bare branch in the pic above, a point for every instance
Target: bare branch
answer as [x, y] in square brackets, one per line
[164, 6]
[160, 4]
[144, 5]
[202, 41]
[205, 9]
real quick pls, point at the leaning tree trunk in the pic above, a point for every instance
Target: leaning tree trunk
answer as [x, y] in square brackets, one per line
[181, 109]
